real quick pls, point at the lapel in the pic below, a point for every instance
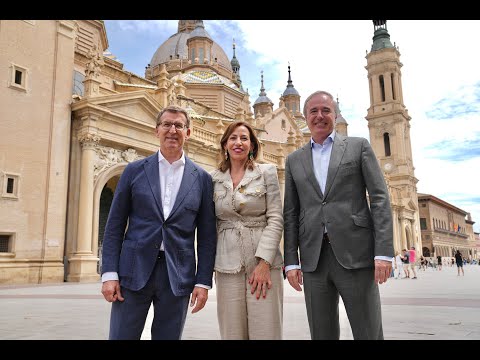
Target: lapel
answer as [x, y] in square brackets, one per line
[307, 163]
[339, 146]
[151, 169]
[190, 175]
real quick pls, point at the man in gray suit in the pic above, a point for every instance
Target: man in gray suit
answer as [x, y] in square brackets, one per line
[345, 241]
[149, 243]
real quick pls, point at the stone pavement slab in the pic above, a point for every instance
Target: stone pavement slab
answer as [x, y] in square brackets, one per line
[438, 305]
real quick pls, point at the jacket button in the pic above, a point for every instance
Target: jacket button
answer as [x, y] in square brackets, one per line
[324, 203]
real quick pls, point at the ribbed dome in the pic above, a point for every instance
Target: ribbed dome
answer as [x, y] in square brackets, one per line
[235, 63]
[177, 45]
[290, 90]
[200, 32]
[263, 100]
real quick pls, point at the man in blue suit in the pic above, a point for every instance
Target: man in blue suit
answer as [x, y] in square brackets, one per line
[149, 243]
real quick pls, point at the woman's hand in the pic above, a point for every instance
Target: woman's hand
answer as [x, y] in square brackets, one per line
[260, 279]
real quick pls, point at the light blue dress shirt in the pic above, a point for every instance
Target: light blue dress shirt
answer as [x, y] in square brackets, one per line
[321, 159]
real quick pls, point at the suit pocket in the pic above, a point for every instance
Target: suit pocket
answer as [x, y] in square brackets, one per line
[256, 190]
[185, 264]
[127, 258]
[362, 221]
[193, 203]
[348, 168]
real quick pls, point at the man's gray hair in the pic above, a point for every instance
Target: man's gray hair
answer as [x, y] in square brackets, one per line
[174, 109]
[319, 92]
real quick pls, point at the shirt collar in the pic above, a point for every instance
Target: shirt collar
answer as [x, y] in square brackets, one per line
[331, 136]
[179, 161]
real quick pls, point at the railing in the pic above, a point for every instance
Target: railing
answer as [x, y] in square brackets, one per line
[271, 158]
[204, 135]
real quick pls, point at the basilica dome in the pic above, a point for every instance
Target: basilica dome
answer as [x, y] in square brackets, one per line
[176, 45]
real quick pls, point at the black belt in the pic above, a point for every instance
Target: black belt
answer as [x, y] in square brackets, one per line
[326, 238]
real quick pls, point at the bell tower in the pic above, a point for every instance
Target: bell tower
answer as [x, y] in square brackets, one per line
[389, 127]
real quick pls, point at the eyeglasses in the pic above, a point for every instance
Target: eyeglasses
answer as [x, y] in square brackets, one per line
[168, 126]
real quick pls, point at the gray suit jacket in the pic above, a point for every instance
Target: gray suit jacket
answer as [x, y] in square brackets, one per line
[358, 231]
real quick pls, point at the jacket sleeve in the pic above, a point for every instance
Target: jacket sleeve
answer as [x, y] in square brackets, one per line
[116, 223]
[272, 234]
[291, 211]
[379, 201]
[206, 233]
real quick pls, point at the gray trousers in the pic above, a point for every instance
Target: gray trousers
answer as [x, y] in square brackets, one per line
[359, 293]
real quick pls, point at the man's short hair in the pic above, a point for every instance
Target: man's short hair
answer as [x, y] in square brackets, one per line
[174, 109]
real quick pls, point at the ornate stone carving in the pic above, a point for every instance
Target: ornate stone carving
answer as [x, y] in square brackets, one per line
[88, 140]
[385, 128]
[130, 155]
[106, 157]
[94, 62]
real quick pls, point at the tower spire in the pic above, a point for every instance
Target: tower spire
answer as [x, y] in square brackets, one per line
[381, 37]
[236, 68]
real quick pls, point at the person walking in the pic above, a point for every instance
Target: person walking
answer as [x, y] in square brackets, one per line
[399, 264]
[413, 261]
[459, 262]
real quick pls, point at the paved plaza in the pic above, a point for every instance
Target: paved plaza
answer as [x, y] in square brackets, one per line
[439, 305]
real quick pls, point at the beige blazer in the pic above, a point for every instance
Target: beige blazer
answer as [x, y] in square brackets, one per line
[249, 219]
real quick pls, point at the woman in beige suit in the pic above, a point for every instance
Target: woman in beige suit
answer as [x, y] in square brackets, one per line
[248, 263]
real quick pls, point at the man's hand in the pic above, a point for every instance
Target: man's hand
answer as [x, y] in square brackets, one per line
[111, 291]
[295, 278]
[199, 296]
[383, 269]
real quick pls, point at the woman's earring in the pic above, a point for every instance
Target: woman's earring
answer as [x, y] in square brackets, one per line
[250, 155]
[226, 155]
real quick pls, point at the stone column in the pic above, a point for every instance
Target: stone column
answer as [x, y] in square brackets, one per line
[403, 233]
[83, 263]
[396, 241]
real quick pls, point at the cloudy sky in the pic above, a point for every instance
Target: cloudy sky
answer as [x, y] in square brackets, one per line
[440, 76]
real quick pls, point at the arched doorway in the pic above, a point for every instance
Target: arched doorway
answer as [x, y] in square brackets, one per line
[426, 251]
[105, 186]
[106, 198]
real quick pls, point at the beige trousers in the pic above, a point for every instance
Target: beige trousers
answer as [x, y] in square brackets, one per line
[241, 316]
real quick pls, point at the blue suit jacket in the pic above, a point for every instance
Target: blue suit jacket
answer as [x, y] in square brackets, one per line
[137, 204]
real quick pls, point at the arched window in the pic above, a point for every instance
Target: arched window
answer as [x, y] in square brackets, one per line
[78, 78]
[382, 87]
[393, 86]
[386, 143]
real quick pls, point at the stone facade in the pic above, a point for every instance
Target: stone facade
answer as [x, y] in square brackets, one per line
[445, 228]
